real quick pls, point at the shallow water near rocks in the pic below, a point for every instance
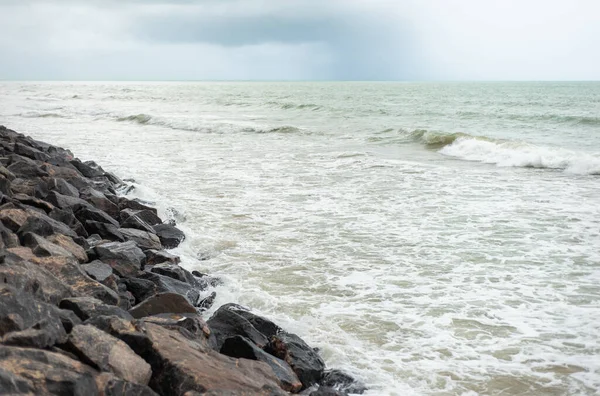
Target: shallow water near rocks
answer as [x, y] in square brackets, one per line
[430, 239]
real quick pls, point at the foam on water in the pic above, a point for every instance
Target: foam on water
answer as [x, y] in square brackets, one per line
[415, 272]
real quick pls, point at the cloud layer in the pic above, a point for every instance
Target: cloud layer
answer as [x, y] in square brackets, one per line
[300, 40]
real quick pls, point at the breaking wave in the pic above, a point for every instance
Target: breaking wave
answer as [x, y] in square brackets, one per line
[34, 114]
[139, 118]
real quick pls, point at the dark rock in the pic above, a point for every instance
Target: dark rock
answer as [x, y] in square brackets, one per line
[125, 258]
[113, 386]
[65, 201]
[154, 257]
[68, 319]
[89, 213]
[87, 307]
[6, 173]
[126, 300]
[326, 391]
[105, 230]
[207, 302]
[33, 201]
[30, 152]
[191, 325]
[342, 382]
[67, 217]
[27, 322]
[201, 369]
[32, 279]
[35, 187]
[68, 271]
[167, 284]
[226, 323]
[107, 353]
[207, 280]
[13, 219]
[98, 270]
[137, 223]
[5, 186]
[265, 326]
[176, 272]
[43, 225]
[40, 372]
[141, 289]
[26, 169]
[303, 359]
[125, 203]
[123, 329]
[148, 216]
[100, 201]
[241, 347]
[42, 247]
[169, 236]
[69, 245]
[162, 303]
[143, 239]
[7, 238]
[62, 187]
[87, 170]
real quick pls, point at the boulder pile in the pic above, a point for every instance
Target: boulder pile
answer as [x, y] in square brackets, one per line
[91, 303]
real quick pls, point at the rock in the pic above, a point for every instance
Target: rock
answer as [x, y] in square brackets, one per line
[326, 391]
[201, 369]
[33, 201]
[69, 245]
[125, 203]
[98, 270]
[43, 225]
[167, 284]
[169, 235]
[6, 173]
[162, 303]
[89, 213]
[30, 152]
[39, 372]
[107, 353]
[87, 307]
[191, 325]
[5, 187]
[7, 238]
[137, 223]
[100, 201]
[305, 362]
[67, 217]
[176, 272]
[65, 201]
[148, 216]
[33, 280]
[141, 289]
[27, 322]
[113, 386]
[126, 300]
[62, 187]
[26, 169]
[265, 326]
[143, 239]
[123, 329]
[241, 347]
[13, 219]
[42, 247]
[154, 257]
[69, 319]
[35, 187]
[342, 382]
[87, 170]
[105, 230]
[68, 271]
[124, 257]
[207, 302]
[226, 323]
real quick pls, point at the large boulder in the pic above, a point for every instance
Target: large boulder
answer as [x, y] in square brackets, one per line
[124, 257]
[191, 325]
[105, 230]
[67, 217]
[170, 236]
[136, 222]
[33, 202]
[141, 289]
[145, 240]
[86, 213]
[101, 272]
[100, 201]
[168, 284]
[342, 382]
[87, 307]
[227, 322]
[125, 203]
[27, 322]
[68, 244]
[30, 152]
[13, 219]
[148, 216]
[26, 168]
[154, 257]
[43, 225]
[162, 303]
[107, 353]
[70, 202]
[63, 187]
[41, 247]
[241, 347]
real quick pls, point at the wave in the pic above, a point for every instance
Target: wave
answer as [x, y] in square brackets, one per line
[555, 118]
[138, 118]
[34, 114]
[289, 106]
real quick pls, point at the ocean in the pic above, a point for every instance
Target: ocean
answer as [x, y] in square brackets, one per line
[428, 238]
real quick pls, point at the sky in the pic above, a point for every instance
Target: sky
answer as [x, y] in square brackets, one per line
[300, 40]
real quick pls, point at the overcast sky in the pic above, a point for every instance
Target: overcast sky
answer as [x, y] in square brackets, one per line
[300, 39]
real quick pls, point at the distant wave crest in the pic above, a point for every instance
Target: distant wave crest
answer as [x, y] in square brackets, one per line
[139, 118]
[34, 114]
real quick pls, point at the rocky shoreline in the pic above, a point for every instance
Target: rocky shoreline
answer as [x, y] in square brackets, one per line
[91, 303]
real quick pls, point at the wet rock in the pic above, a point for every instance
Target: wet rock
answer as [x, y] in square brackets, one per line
[226, 323]
[303, 359]
[148, 216]
[154, 257]
[40, 372]
[167, 284]
[87, 307]
[162, 303]
[87, 170]
[241, 347]
[68, 271]
[100, 201]
[176, 272]
[141, 289]
[327, 391]
[42, 247]
[265, 326]
[43, 225]
[124, 257]
[107, 353]
[62, 187]
[207, 302]
[65, 201]
[125, 203]
[26, 169]
[191, 325]
[32, 279]
[342, 382]
[105, 230]
[169, 235]
[201, 369]
[27, 322]
[69, 245]
[143, 239]
[113, 386]
[137, 223]
[89, 213]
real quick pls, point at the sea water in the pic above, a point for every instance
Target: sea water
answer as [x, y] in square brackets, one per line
[428, 238]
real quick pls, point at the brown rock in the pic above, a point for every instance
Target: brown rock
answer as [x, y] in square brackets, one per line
[69, 245]
[13, 219]
[162, 303]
